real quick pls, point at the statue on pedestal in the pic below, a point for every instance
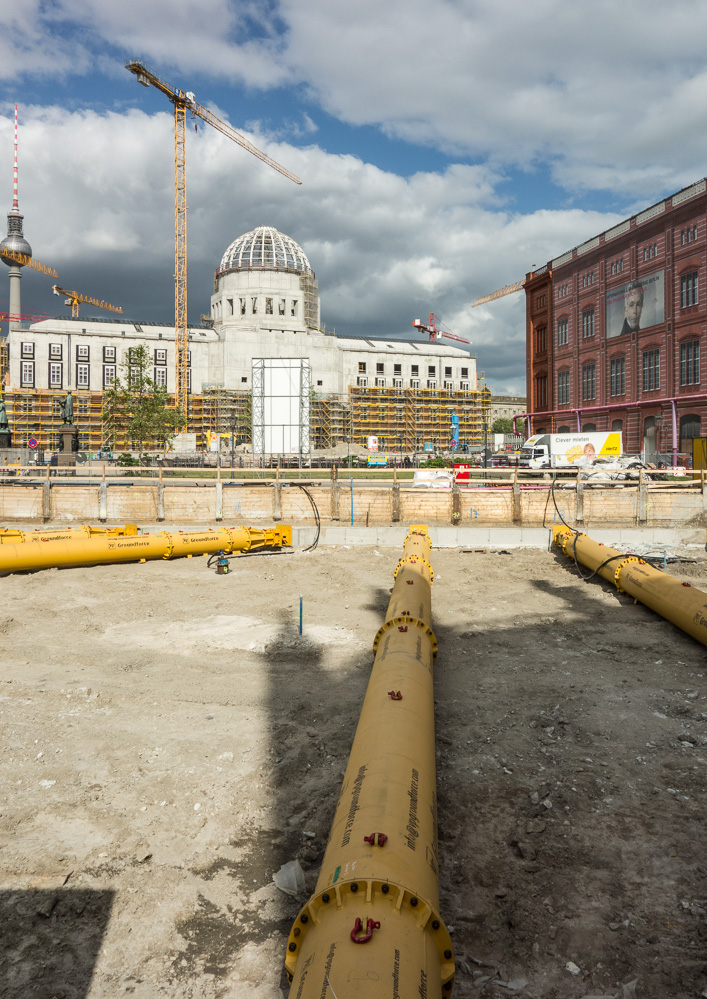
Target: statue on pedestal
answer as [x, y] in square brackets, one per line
[4, 425]
[67, 409]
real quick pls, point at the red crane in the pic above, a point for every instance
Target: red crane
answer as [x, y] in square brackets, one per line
[435, 333]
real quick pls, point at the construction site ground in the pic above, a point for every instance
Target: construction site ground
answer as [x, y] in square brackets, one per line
[169, 741]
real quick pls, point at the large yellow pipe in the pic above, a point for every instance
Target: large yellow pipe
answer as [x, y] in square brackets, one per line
[372, 928]
[680, 603]
[96, 551]
[13, 535]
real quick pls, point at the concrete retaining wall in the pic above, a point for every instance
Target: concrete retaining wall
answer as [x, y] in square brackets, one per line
[257, 503]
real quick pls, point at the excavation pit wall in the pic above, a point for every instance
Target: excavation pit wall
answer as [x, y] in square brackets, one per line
[49, 500]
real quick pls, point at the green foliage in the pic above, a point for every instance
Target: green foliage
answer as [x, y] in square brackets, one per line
[502, 425]
[436, 463]
[138, 408]
[126, 460]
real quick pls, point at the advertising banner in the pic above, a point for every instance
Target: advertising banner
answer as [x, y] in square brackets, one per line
[636, 305]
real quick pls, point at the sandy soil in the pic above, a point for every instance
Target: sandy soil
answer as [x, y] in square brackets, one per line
[169, 741]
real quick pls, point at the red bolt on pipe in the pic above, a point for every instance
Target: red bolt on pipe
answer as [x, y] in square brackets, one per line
[370, 927]
[375, 839]
[395, 695]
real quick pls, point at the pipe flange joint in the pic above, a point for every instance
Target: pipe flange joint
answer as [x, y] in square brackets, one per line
[414, 559]
[383, 899]
[619, 566]
[167, 553]
[402, 624]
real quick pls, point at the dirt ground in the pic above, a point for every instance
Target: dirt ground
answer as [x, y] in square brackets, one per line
[169, 741]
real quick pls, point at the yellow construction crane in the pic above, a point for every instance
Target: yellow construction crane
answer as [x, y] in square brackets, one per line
[184, 101]
[509, 289]
[75, 298]
[27, 261]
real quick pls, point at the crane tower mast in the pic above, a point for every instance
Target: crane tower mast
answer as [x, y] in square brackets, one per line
[184, 101]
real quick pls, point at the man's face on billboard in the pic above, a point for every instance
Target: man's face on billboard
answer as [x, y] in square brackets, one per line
[634, 307]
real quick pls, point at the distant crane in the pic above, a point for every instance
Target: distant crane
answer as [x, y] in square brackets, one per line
[435, 333]
[75, 299]
[184, 101]
[509, 289]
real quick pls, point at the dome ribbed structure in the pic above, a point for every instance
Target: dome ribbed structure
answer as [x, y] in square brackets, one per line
[265, 248]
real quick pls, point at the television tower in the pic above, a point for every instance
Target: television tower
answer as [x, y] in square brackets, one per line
[14, 241]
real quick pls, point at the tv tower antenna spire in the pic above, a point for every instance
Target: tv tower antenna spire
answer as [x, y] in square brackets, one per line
[14, 246]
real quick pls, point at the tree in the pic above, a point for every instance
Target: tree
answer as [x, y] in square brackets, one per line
[502, 425]
[136, 407]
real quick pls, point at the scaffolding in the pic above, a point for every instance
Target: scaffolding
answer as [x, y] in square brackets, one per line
[401, 419]
[310, 295]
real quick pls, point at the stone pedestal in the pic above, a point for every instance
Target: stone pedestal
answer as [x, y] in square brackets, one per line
[67, 456]
[5, 439]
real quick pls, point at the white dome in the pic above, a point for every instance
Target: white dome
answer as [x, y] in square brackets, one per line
[267, 249]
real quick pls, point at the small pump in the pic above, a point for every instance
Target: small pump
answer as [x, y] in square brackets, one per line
[221, 564]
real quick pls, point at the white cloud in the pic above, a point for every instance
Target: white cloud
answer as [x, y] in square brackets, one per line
[97, 194]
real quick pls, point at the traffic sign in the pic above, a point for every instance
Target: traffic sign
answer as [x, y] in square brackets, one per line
[32, 442]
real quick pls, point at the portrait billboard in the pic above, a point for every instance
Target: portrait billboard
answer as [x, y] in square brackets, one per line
[636, 305]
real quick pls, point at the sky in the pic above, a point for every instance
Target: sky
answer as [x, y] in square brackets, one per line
[444, 149]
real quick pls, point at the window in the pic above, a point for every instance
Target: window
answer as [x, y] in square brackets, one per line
[82, 375]
[465, 372]
[563, 388]
[415, 369]
[414, 383]
[689, 426]
[587, 279]
[27, 350]
[254, 306]
[464, 386]
[449, 385]
[688, 235]
[690, 363]
[589, 428]
[397, 369]
[688, 290]
[281, 306]
[55, 351]
[431, 371]
[55, 375]
[293, 308]
[562, 332]
[268, 307]
[160, 377]
[380, 382]
[540, 340]
[617, 425]
[361, 382]
[447, 372]
[380, 369]
[241, 302]
[108, 375]
[588, 382]
[563, 290]
[109, 354]
[563, 430]
[27, 374]
[616, 267]
[397, 383]
[244, 378]
[541, 391]
[431, 383]
[362, 367]
[617, 376]
[651, 370]
[83, 352]
[160, 357]
[588, 323]
[650, 251]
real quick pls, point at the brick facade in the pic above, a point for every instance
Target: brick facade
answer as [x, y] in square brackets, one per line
[616, 329]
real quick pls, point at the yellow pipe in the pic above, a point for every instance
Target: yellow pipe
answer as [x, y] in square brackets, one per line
[97, 551]
[13, 535]
[372, 928]
[680, 603]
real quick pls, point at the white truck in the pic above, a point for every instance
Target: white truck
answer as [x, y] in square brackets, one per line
[569, 450]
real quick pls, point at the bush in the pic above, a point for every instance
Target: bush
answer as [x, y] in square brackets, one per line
[126, 460]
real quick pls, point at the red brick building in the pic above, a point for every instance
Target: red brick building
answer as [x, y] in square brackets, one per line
[616, 331]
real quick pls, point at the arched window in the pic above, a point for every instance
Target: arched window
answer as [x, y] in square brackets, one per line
[588, 428]
[617, 424]
[689, 426]
[563, 430]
